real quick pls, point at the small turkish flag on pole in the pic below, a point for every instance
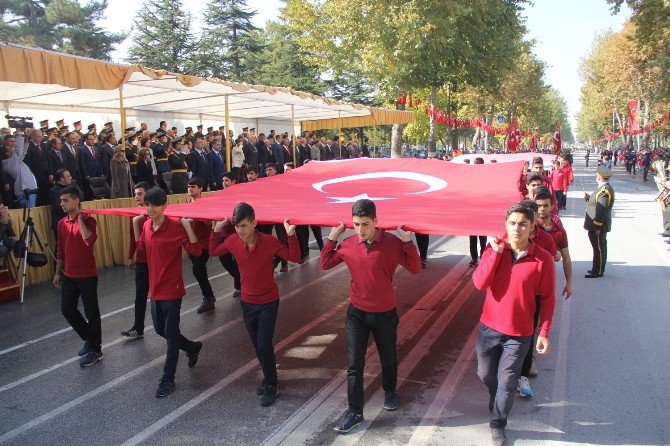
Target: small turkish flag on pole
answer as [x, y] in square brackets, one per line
[557, 139]
[634, 115]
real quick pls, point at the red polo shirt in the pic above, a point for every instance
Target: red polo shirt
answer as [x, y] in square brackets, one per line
[511, 288]
[75, 252]
[162, 249]
[557, 232]
[132, 247]
[256, 264]
[372, 267]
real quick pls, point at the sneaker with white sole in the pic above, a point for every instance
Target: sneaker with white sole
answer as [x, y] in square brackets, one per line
[525, 390]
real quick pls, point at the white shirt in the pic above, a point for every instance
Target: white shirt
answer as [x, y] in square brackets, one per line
[23, 177]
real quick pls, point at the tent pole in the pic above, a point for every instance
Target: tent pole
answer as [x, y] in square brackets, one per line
[227, 136]
[7, 111]
[339, 132]
[122, 115]
[374, 147]
[295, 160]
[200, 117]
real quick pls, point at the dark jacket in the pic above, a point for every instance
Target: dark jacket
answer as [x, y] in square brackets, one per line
[599, 209]
[89, 166]
[250, 154]
[106, 154]
[197, 165]
[217, 167]
[56, 211]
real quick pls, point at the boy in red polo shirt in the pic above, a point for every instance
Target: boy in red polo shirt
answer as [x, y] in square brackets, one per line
[372, 256]
[74, 254]
[512, 274]
[160, 241]
[254, 253]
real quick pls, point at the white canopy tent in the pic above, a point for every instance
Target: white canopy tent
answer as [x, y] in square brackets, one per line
[34, 79]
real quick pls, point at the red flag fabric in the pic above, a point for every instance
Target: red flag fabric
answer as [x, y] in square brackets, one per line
[427, 196]
[634, 115]
[557, 139]
[514, 137]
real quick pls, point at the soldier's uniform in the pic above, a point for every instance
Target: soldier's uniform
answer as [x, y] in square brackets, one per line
[598, 221]
[179, 168]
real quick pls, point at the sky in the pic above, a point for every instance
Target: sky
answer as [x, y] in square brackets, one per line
[564, 31]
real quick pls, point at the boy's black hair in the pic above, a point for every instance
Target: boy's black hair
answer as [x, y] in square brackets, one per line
[196, 181]
[155, 196]
[272, 165]
[364, 208]
[520, 209]
[530, 204]
[243, 211]
[142, 185]
[72, 191]
[543, 193]
[253, 168]
[534, 177]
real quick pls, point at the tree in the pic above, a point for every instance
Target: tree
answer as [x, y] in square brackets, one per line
[405, 45]
[162, 37]
[230, 42]
[58, 25]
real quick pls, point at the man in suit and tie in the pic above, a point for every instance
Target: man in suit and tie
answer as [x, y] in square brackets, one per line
[278, 153]
[70, 151]
[89, 164]
[106, 154]
[55, 156]
[197, 162]
[36, 160]
[324, 150]
[216, 165]
[304, 152]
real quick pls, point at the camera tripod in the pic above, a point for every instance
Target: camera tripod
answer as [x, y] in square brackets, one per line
[26, 240]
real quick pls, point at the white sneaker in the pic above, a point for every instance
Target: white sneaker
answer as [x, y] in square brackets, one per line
[524, 388]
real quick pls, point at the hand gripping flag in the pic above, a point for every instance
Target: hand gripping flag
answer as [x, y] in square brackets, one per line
[427, 196]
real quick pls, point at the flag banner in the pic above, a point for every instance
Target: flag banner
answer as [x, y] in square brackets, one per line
[547, 158]
[557, 139]
[634, 115]
[426, 196]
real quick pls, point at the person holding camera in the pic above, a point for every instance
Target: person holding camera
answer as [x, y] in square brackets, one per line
[25, 185]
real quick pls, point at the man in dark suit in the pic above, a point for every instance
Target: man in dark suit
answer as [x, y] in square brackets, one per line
[324, 150]
[304, 152]
[197, 162]
[106, 151]
[55, 156]
[250, 152]
[278, 153]
[36, 160]
[216, 165]
[89, 164]
[70, 152]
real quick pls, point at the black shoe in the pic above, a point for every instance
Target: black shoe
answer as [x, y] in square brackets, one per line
[492, 401]
[390, 399]
[303, 260]
[348, 422]
[84, 350]
[133, 333]
[90, 358]
[473, 262]
[423, 263]
[207, 304]
[193, 357]
[592, 276]
[165, 388]
[665, 234]
[261, 388]
[498, 436]
[269, 395]
[237, 294]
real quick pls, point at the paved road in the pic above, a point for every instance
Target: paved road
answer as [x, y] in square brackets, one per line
[605, 381]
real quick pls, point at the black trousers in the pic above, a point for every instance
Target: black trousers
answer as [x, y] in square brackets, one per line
[282, 237]
[422, 243]
[499, 361]
[260, 320]
[473, 246]
[318, 236]
[599, 245]
[88, 329]
[141, 293]
[166, 317]
[560, 198]
[302, 233]
[528, 360]
[200, 272]
[358, 326]
[229, 264]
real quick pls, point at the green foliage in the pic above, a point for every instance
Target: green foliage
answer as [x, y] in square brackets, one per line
[58, 25]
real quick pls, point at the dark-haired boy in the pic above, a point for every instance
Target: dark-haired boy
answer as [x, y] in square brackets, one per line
[74, 254]
[160, 240]
[254, 252]
[138, 262]
[372, 256]
[512, 273]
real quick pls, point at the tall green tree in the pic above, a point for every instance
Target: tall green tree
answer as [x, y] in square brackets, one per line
[58, 25]
[230, 41]
[162, 36]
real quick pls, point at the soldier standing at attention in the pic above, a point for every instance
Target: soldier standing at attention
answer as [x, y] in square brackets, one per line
[598, 220]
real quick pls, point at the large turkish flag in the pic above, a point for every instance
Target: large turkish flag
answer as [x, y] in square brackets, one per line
[427, 196]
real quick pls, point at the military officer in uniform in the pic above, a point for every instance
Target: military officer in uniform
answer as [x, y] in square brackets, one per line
[178, 166]
[598, 220]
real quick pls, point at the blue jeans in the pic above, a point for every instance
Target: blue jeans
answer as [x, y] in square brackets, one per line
[499, 361]
[165, 315]
[32, 200]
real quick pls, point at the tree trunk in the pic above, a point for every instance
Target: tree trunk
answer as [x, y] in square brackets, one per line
[454, 134]
[475, 139]
[396, 136]
[432, 134]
